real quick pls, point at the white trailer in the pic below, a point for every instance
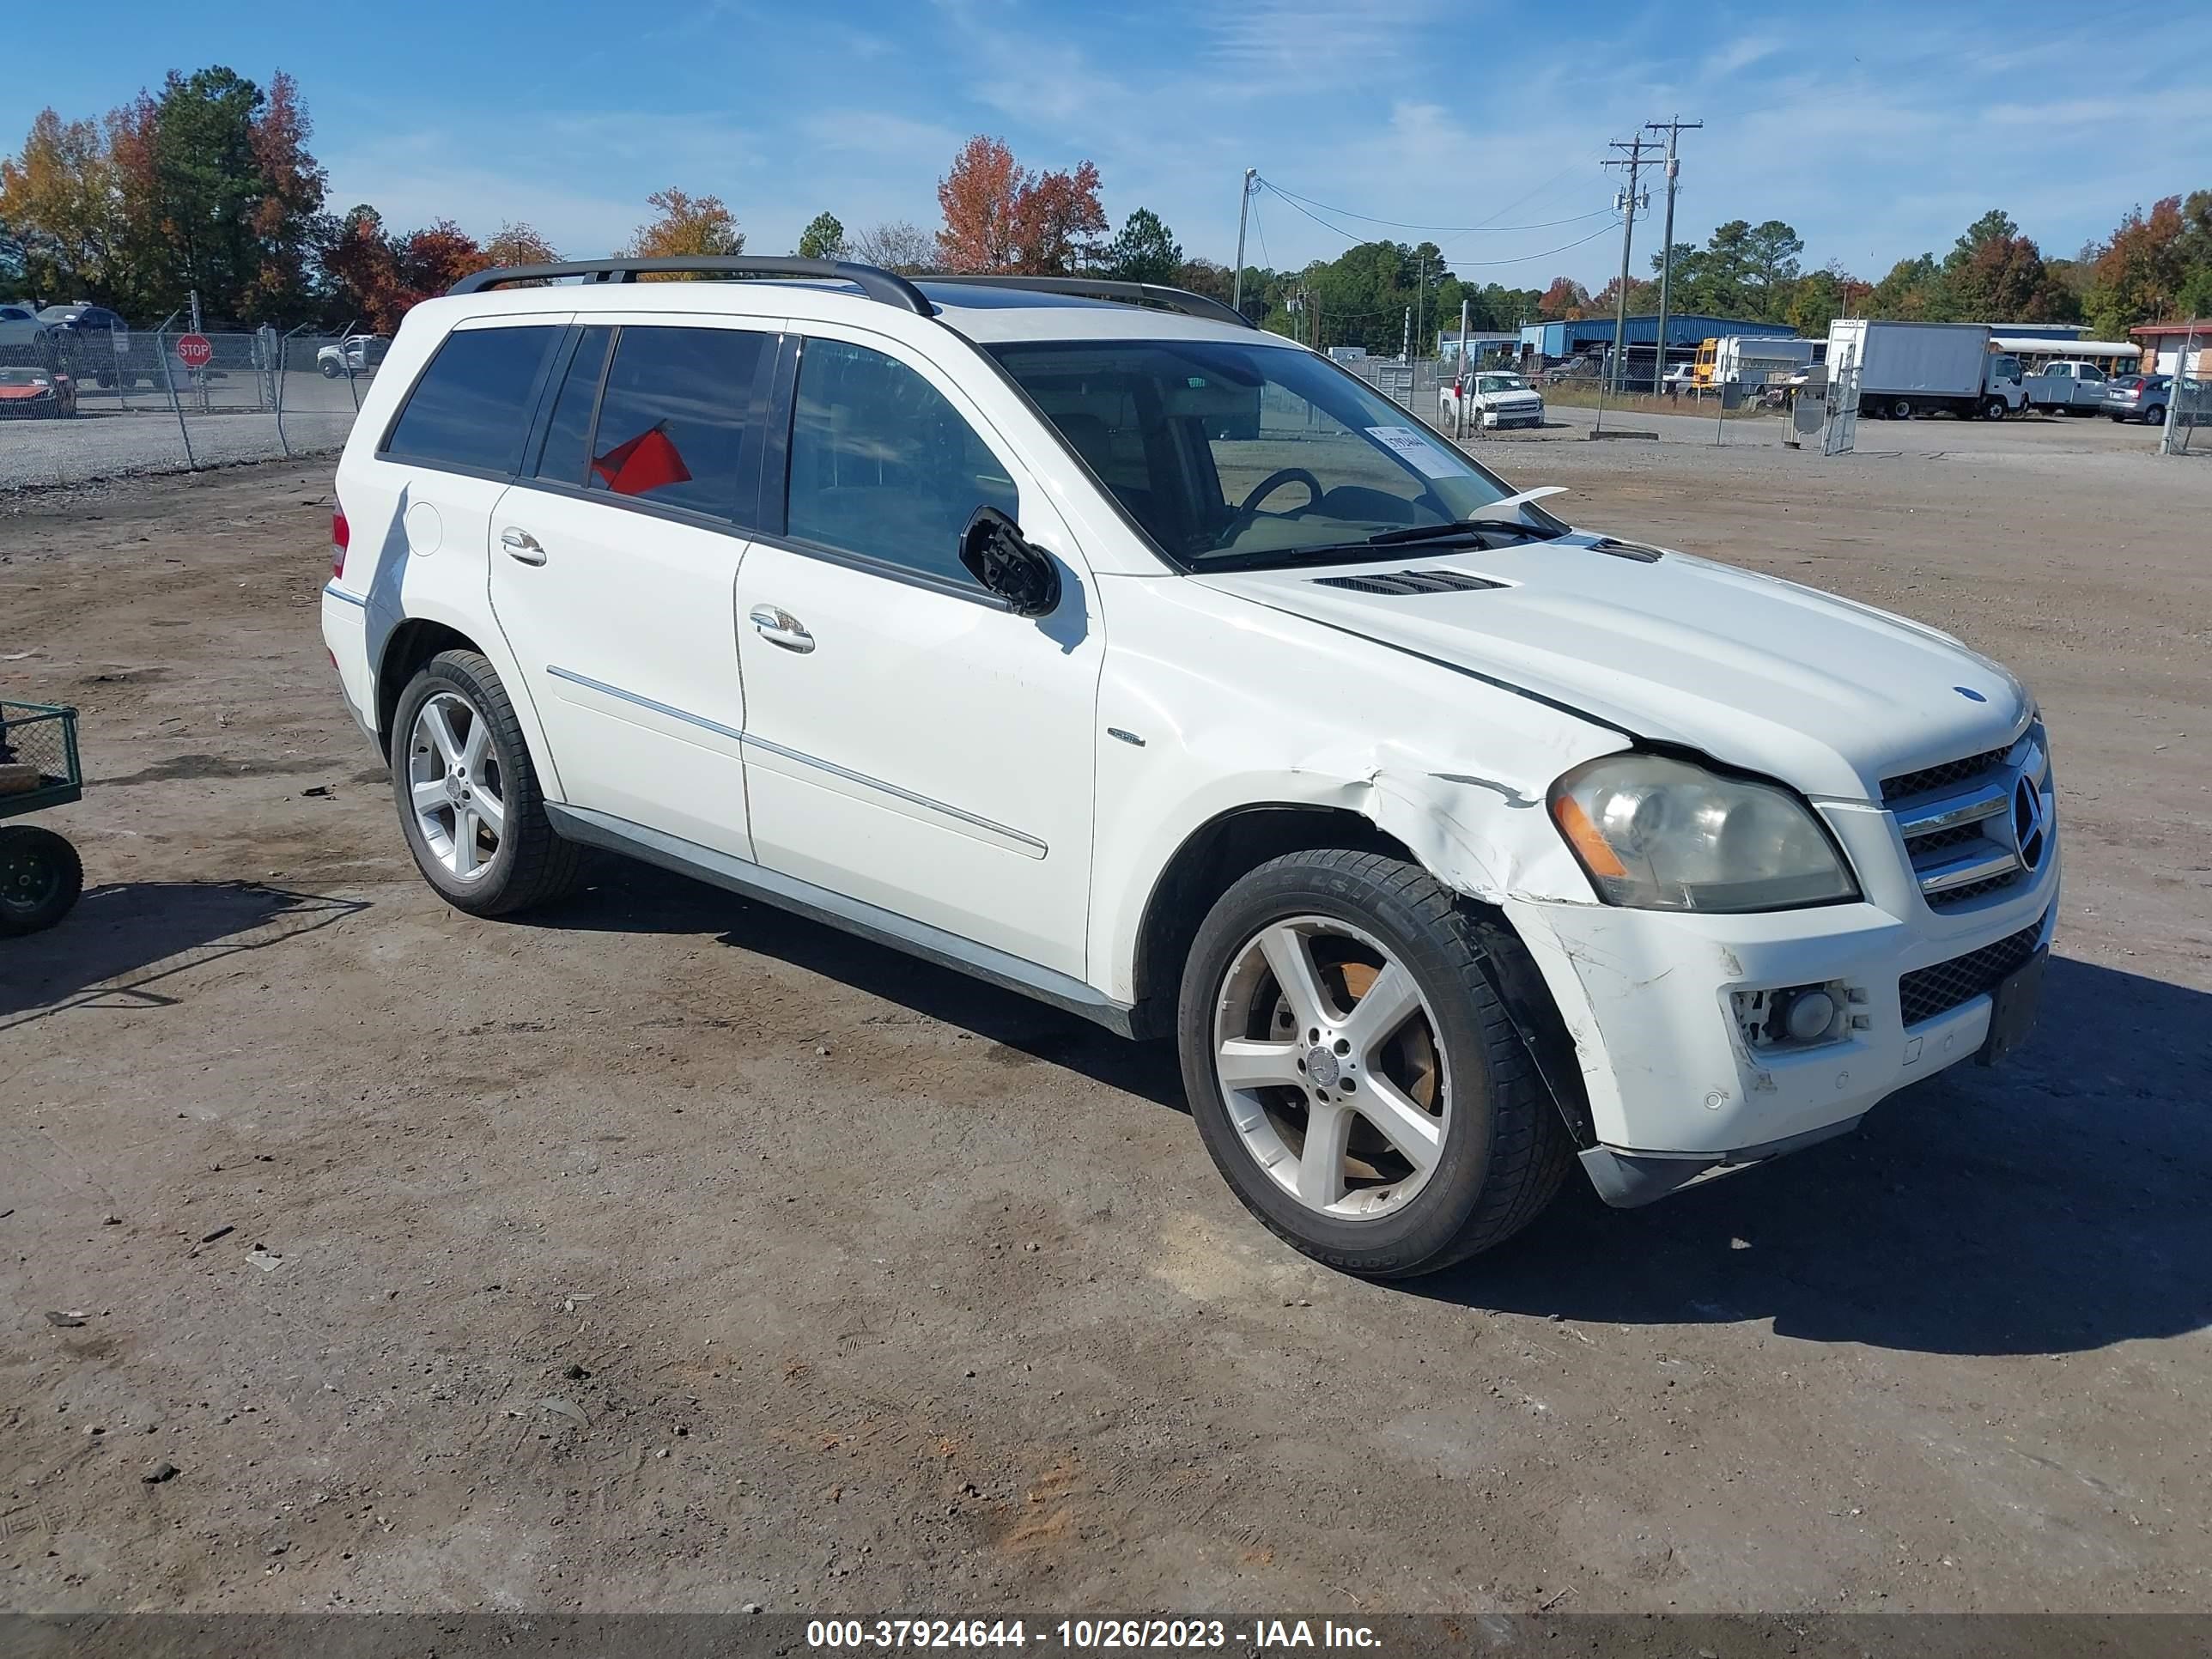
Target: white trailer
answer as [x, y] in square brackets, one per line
[1752, 360]
[1906, 369]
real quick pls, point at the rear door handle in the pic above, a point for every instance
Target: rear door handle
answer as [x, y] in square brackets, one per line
[521, 546]
[782, 628]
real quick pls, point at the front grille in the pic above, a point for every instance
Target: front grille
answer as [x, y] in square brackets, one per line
[1939, 777]
[1927, 992]
[1964, 821]
[1398, 583]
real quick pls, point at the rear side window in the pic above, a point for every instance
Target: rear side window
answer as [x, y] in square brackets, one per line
[673, 418]
[471, 408]
[881, 464]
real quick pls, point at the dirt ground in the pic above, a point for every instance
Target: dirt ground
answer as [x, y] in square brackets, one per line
[664, 1252]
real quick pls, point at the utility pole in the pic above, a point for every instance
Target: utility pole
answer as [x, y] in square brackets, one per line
[1673, 129]
[1633, 159]
[1243, 207]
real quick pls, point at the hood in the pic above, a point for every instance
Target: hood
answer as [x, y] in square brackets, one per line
[1826, 694]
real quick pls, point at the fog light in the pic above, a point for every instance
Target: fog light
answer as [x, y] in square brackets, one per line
[1809, 1016]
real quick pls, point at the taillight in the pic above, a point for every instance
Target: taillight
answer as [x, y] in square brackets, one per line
[340, 535]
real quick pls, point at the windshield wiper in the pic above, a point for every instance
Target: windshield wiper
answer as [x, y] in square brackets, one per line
[1440, 533]
[1463, 530]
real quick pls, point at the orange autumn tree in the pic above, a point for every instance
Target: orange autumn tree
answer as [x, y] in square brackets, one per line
[1001, 217]
[689, 226]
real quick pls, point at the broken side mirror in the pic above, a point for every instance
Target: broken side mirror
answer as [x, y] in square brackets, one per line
[992, 551]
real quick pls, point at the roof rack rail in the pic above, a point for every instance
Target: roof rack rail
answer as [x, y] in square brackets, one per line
[880, 285]
[1100, 288]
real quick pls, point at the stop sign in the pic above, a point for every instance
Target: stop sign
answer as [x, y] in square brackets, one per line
[195, 351]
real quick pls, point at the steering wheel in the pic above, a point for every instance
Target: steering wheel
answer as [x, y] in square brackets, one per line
[1266, 487]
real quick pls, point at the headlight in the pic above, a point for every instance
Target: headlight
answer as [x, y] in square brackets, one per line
[1655, 834]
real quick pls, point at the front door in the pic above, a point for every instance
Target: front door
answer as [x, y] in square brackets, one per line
[615, 566]
[910, 742]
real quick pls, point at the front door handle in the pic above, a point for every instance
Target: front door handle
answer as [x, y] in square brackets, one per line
[521, 546]
[782, 628]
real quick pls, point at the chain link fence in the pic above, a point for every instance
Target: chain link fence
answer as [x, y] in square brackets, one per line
[81, 405]
[1413, 386]
[2189, 393]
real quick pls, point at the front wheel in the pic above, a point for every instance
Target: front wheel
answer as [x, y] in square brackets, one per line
[1352, 1072]
[1996, 409]
[469, 799]
[40, 878]
[331, 370]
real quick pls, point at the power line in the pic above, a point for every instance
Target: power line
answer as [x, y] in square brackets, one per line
[1449, 230]
[1478, 265]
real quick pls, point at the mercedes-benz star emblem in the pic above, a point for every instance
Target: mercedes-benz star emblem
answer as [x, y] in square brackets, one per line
[2027, 822]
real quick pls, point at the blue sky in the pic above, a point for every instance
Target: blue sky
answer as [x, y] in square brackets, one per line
[1879, 131]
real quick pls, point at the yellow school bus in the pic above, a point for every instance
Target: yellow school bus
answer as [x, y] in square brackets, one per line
[1701, 372]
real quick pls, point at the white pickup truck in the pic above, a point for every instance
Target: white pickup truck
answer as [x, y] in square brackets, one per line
[2069, 387]
[1494, 397]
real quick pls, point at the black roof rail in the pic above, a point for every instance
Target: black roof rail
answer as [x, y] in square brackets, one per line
[1101, 288]
[880, 285]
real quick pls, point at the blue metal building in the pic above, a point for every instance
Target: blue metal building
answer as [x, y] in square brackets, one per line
[1555, 340]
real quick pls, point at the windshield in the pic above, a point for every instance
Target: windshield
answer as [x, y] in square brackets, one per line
[1251, 455]
[1500, 383]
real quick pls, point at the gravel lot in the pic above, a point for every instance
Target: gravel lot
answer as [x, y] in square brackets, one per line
[105, 441]
[666, 1252]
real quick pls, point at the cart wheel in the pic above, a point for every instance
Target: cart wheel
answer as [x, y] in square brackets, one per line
[40, 877]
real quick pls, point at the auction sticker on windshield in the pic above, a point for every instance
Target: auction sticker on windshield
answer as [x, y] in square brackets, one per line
[1433, 462]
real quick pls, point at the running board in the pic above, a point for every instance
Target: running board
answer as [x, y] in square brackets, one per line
[869, 922]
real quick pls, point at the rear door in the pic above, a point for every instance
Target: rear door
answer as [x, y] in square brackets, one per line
[615, 562]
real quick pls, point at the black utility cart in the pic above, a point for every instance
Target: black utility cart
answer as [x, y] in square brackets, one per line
[40, 876]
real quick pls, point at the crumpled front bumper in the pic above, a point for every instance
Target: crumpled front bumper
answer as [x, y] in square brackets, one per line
[1677, 1091]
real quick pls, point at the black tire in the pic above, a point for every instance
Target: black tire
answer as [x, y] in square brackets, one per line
[1903, 408]
[40, 878]
[2154, 416]
[532, 865]
[331, 370]
[1505, 1150]
[1996, 409]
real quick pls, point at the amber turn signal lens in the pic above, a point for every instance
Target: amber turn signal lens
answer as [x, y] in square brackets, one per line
[1575, 824]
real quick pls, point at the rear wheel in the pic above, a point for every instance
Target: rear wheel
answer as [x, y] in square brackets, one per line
[40, 878]
[469, 799]
[1901, 408]
[1353, 1073]
[2154, 416]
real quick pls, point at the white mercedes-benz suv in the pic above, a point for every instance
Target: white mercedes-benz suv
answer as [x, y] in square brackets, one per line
[1089, 639]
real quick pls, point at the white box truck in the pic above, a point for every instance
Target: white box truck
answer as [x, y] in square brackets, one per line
[1906, 369]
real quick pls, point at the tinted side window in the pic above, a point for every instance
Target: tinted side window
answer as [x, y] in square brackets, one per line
[674, 420]
[569, 433]
[473, 406]
[882, 464]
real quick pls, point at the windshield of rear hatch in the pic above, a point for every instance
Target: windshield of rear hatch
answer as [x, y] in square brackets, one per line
[1255, 455]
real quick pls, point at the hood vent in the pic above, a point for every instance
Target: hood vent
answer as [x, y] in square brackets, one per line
[1621, 550]
[1402, 582]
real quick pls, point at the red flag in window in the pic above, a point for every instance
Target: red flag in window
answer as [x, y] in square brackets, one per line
[646, 462]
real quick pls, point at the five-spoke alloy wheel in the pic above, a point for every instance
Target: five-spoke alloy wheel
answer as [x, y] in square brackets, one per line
[1328, 1067]
[453, 784]
[469, 797]
[1352, 1070]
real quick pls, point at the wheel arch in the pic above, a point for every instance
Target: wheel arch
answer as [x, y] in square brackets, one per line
[414, 639]
[1215, 855]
